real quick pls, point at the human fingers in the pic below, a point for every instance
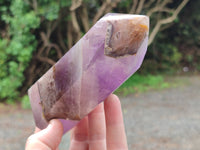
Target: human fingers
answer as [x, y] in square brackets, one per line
[116, 137]
[37, 130]
[79, 136]
[97, 129]
[47, 139]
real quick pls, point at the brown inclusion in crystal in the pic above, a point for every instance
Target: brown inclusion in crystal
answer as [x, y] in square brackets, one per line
[124, 38]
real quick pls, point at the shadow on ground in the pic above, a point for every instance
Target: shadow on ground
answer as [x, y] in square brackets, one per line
[156, 120]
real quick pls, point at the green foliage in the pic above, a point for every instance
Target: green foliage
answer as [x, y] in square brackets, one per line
[141, 83]
[25, 102]
[64, 3]
[19, 21]
[16, 50]
[166, 59]
[50, 10]
[125, 5]
[169, 55]
[187, 27]
[22, 22]
[188, 36]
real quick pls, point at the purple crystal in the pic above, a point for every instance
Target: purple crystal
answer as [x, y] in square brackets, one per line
[110, 52]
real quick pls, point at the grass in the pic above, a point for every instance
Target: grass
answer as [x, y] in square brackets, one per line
[135, 84]
[141, 83]
[25, 103]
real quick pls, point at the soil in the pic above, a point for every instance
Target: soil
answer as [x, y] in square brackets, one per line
[156, 120]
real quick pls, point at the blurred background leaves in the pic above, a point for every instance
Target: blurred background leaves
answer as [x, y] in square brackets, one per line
[34, 34]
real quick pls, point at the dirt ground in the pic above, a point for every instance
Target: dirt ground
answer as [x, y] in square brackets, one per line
[156, 120]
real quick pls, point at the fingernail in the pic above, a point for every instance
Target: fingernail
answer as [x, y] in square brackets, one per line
[113, 97]
[53, 121]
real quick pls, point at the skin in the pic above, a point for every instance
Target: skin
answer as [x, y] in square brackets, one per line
[102, 129]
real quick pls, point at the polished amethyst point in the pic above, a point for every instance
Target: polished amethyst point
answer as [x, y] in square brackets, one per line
[110, 52]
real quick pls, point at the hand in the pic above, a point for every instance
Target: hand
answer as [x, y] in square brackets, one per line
[102, 129]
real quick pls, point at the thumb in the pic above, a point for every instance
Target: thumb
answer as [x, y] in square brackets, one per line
[47, 139]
